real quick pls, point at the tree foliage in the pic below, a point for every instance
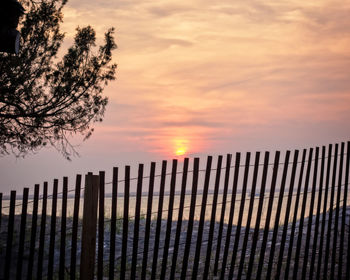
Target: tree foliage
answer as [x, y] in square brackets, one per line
[45, 99]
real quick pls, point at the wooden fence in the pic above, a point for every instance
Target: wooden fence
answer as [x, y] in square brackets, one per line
[272, 219]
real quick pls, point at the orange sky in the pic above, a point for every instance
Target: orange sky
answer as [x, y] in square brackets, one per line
[210, 77]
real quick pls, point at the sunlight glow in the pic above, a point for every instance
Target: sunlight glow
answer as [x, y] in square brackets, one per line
[180, 146]
[180, 152]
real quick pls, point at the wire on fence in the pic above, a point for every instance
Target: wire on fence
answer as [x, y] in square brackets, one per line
[167, 174]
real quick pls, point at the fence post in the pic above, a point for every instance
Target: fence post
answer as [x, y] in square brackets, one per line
[159, 220]
[258, 216]
[88, 246]
[33, 232]
[330, 213]
[342, 235]
[240, 215]
[137, 223]
[250, 213]
[148, 220]
[278, 215]
[101, 214]
[113, 223]
[0, 209]
[337, 209]
[212, 219]
[169, 220]
[73, 260]
[42, 233]
[125, 223]
[22, 233]
[10, 227]
[222, 217]
[179, 219]
[190, 218]
[63, 230]
[286, 217]
[325, 203]
[232, 212]
[52, 230]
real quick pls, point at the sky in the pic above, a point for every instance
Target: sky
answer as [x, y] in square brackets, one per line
[199, 78]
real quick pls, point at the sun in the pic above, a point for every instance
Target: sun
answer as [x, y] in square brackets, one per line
[180, 146]
[180, 151]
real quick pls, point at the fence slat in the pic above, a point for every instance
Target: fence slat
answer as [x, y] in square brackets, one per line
[148, 220]
[73, 260]
[179, 219]
[88, 240]
[22, 233]
[278, 214]
[336, 229]
[344, 210]
[239, 249]
[212, 218]
[33, 232]
[330, 212]
[137, 222]
[0, 210]
[202, 218]
[125, 222]
[324, 214]
[317, 223]
[112, 237]
[250, 213]
[169, 219]
[63, 229]
[311, 210]
[258, 216]
[223, 208]
[302, 215]
[52, 230]
[240, 215]
[232, 212]
[295, 215]
[190, 219]
[9, 241]
[159, 219]
[286, 218]
[42, 233]
[101, 219]
[268, 215]
[345, 199]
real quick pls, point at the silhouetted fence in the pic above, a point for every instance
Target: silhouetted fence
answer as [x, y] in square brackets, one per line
[282, 219]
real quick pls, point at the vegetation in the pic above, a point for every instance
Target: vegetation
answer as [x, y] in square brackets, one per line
[45, 99]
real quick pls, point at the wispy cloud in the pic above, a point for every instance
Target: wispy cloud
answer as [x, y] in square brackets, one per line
[222, 68]
[210, 76]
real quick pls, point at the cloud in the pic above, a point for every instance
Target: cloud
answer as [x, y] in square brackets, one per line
[221, 76]
[192, 123]
[222, 68]
[167, 10]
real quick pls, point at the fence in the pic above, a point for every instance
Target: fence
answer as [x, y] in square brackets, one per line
[264, 220]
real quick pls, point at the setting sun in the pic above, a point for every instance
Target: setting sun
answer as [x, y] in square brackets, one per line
[180, 146]
[180, 151]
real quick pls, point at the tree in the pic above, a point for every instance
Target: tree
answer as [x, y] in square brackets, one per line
[45, 99]
[10, 13]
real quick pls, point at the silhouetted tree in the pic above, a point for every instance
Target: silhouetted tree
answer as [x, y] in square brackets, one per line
[45, 99]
